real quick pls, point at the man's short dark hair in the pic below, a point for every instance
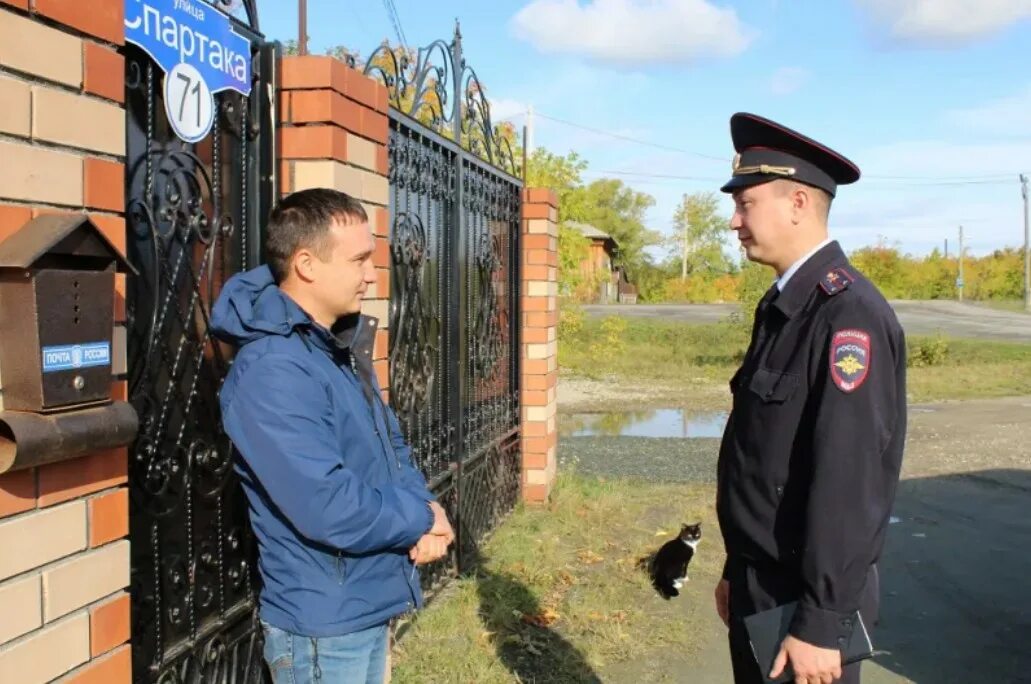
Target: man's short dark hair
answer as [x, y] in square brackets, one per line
[302, 220]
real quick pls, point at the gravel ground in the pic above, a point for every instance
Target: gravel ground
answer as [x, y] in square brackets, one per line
[586, 394]
[642, 458]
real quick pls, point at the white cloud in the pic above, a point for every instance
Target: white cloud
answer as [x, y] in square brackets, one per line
[633, 31]
[1006, 116]
[948, 22]
[788, 80]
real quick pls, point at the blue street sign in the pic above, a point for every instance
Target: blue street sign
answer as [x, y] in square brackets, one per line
[199, 51]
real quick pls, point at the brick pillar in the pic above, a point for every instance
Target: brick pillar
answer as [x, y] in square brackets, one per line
[539, 342]
[64, 558]
[333, 134]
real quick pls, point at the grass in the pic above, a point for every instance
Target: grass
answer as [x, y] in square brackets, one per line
[971, 369]
[559, 596]
[644, 349]
[639, 350]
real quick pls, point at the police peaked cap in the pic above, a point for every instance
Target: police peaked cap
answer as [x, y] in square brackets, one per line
[767, 151]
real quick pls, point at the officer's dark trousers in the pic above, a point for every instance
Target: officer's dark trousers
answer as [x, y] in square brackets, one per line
[753, 590]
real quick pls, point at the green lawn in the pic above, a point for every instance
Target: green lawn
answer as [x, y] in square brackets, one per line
[672, 352]
[560, 595]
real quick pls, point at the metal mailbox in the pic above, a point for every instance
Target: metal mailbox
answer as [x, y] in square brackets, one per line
[57, 314]
[57, 276]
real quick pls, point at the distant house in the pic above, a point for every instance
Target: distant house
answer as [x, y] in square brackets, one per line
[600, 266]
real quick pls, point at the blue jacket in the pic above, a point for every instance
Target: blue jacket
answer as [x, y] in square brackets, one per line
[335, 502]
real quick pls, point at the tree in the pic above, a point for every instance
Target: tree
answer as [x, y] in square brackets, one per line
[607, 204]
[562, 174]
[699, 235]
[614, 208]
[545, 169]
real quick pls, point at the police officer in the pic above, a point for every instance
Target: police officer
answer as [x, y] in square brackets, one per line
[811, 454]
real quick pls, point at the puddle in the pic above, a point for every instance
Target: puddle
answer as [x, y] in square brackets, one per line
[682, 423]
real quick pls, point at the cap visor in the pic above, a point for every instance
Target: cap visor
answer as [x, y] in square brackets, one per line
[746, 181]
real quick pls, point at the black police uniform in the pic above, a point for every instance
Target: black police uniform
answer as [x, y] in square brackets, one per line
[812, 450]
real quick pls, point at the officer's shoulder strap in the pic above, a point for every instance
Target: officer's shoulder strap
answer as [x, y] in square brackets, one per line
[836, 281]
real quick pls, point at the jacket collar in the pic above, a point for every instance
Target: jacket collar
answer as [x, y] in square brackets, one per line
[807, 277]
[355, 332]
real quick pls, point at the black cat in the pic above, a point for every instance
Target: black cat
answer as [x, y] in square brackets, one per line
[669, 569]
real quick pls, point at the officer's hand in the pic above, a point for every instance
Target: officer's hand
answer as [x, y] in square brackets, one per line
[441, 526]
[723, 601]
[812, 664]
[429, 548]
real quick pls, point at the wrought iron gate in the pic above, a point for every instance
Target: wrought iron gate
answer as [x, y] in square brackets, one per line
[193, 214]
[455, 200]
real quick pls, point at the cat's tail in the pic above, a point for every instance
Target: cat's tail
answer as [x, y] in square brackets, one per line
[646, 563]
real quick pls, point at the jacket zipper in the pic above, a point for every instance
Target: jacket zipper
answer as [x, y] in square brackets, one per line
[340, 571]
[372, 407]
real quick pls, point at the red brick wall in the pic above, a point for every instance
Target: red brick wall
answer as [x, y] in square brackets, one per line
[64, 556]
[539, 342]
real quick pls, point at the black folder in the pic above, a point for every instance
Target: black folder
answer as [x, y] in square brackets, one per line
[766, 631]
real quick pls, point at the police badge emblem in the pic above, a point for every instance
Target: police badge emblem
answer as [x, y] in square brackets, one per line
[850, 359]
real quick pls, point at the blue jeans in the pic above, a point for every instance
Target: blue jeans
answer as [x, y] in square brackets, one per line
[356, 658]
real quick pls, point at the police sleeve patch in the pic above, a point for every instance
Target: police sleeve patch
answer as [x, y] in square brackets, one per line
[850, 358]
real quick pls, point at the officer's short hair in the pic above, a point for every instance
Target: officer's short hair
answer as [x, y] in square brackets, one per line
[302, 220]
[821, 198]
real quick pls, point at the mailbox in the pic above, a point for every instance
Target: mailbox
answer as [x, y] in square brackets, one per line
[57, 277]
[57, 314]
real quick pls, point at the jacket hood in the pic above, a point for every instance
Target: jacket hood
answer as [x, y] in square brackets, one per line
[251, 306]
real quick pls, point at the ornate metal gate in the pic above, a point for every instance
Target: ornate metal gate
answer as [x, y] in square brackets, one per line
[455, 200]
[193, 213]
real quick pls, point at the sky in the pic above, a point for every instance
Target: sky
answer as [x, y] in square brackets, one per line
[930, 98]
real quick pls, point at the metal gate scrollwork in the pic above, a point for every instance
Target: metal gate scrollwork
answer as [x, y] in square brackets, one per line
[192, 222]
[455, 199]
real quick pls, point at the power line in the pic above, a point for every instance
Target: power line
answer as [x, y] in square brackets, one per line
[961, 180]
[395, 18]
[710, 179]
[610, 134]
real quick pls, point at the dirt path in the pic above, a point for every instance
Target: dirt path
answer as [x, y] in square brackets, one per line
[956, 603]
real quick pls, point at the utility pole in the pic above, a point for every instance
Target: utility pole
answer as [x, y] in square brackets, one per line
[1027, 253]
[959, 280]
[524, 153]
[302, 27]
[528, 140]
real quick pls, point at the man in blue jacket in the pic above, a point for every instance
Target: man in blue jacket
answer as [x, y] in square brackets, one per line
[340, 514]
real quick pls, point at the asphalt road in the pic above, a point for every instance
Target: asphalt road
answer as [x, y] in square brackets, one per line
[955, 600]
[954, 319]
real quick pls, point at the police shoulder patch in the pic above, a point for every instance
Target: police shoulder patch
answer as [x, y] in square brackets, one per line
[850, 358]
[836, 280]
